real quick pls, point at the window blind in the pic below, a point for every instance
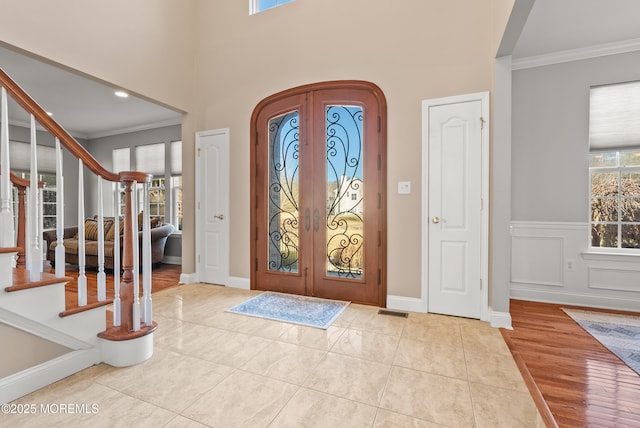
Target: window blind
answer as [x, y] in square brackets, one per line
[121, 160]
[614, 117]
[20, 157]
[150, 159]
[176, 158]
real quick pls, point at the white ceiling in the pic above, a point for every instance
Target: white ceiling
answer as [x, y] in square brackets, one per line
[84, 107]
[564, 25]
[89, 109]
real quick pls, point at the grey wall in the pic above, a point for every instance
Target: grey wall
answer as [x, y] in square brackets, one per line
[550, 135]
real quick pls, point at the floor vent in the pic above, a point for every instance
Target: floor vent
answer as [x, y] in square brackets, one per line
[393, 313]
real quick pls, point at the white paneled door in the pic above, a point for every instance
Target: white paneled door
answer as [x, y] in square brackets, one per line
[454, 213]
[212, 206]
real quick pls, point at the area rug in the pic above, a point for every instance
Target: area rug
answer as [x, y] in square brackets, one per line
[303, 310]
[620, 334]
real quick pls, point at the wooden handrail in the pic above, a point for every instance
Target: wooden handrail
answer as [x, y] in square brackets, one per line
[27, 103]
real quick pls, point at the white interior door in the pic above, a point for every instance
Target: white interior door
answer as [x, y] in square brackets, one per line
[454, 220]
[212, 206]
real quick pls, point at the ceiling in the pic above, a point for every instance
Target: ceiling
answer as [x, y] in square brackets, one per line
[85, 108]
[563, 25]
[88, 108]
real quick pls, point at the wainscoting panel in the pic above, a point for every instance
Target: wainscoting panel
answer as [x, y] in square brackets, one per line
[539, 260]
[550, 263]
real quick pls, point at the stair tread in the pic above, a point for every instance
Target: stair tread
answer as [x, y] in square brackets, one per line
[22, 281]
[117, 334]
[78, 309]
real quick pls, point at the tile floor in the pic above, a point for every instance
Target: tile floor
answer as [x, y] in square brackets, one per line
[213, 368]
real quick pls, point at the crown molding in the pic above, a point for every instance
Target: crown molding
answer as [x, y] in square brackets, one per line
[576, 54]
[137, 128]
[93, 135]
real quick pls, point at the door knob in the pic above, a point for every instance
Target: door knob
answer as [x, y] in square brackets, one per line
[436, 219]
[219, 216]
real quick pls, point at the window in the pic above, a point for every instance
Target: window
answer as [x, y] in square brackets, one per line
[164, 162]
[20, 154]
[614, 166]
[256, 6]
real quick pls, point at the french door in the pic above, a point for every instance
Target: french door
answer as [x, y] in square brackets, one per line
[318, 192]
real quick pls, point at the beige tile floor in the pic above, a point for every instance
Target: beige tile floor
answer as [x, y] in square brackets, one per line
[214, 368]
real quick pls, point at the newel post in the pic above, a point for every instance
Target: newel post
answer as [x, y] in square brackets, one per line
[127, 298]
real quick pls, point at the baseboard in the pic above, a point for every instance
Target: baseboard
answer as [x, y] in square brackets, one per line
[188, 278]
[238, 282]
[401, 303]
[575, 299]
[29, 380]
[172, 260]
[500, 319]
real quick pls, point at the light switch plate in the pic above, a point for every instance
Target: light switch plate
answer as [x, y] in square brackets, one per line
[404, 187]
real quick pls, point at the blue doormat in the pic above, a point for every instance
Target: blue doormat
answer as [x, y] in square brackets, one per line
[303, 310]
[620, 334]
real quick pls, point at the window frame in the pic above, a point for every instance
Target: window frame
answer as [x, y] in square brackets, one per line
[254, 5]
[619, 170]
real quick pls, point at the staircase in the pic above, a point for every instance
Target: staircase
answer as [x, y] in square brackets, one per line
[32, 301]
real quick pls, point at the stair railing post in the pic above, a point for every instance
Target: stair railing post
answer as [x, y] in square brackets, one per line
[35, 256]
[126, 285]
[102, 276]
[7, 238]
[22, 221]
[136, 261]
[82, 277]
[116, 256]
[60, 250]
[147, 312]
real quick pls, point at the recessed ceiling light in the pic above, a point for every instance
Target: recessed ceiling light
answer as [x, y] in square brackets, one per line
[121, 94]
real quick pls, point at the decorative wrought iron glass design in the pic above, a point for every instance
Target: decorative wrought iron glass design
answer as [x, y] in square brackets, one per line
[345, 204]
[283, 193]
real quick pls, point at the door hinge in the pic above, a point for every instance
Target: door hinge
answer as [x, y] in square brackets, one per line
[379, 238]
[379, 123]
[379, 200]
[480, 283]
[482, 122]
[256, 207]
[379, 277]
[481, 204]
[198, 204]
[256, 265]
[256, 237]
[379, 162]
[198, 258]
[199, 149]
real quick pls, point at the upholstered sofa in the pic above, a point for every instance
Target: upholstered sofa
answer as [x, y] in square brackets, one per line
[159, 234]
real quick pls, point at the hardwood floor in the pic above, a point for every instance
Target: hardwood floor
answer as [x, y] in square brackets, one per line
[164, 276]
[582, 383]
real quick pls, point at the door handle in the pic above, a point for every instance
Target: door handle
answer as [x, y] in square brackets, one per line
[219, 216]
[316, 220]
[436, 219]
[307, 219]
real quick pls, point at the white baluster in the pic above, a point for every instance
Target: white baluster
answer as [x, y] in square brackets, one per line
[7, 230]
[136, 249]
[102, 277]
[116, 257]
[147, 311]
[35, 256]
[82, 277]
[60, 257]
